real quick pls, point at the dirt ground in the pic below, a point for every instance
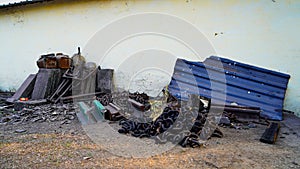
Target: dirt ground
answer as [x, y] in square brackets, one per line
[56, 145]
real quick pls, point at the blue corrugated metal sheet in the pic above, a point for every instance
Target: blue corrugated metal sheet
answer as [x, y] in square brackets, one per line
[241, 83]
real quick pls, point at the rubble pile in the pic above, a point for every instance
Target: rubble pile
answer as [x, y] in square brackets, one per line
[48, 96]
[64, 113]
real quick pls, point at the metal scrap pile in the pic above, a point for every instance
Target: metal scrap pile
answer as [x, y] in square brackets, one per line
[63, 79]
[180, 117]
[48, 94]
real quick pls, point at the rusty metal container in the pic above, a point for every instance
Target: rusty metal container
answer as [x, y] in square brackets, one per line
[47, 61]
[63, 61]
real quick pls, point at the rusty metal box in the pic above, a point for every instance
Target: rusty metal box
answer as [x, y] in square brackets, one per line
[63, 61]
[47, 61]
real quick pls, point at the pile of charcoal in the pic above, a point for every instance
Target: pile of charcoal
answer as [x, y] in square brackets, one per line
[63, 113]
[179, 127]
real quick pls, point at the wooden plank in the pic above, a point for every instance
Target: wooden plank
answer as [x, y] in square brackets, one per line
[139, 106]
[271, 133]
[85, 115]
[46, 83]
[104, 80]
[19, 105]
[25, 89]
[99, 110]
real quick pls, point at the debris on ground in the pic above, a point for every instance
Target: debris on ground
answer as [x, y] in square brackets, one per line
[66, 89]
[271, 133]
[179, 127]
[42, 113]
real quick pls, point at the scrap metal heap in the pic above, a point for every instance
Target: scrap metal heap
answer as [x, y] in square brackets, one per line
[61, 81]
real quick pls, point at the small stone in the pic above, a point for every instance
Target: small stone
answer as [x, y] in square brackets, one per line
[223, 120]
[53, 119]
[5, 119]
[86, 158]
[15, 117]
[34, 115]
[65, 122]
[35, 119]
[70, 117]
[38, 112]
[20, 131]
[251, 125]
[235, 126]
[42, 119]
[71, 113]
[55, 113]
[65, 106]
[73, 132]
[295, 163]
[37, 108]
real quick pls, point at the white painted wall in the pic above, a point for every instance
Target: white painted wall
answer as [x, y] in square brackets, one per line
[262, 33]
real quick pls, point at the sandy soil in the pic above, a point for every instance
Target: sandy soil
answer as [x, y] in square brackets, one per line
[56, 145]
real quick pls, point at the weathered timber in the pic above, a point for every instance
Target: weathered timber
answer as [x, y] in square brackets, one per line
[104, 81]
[19, 105]
[270, 134]
[46, 83]
[25, 89]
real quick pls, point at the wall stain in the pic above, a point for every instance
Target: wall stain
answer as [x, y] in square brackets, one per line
[18, 17]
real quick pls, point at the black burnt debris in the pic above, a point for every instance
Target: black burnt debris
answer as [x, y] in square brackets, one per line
[179, 126]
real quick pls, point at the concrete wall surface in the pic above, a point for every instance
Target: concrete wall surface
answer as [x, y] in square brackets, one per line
[261, 33]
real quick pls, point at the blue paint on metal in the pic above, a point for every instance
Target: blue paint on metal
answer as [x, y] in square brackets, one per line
[244, 84]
